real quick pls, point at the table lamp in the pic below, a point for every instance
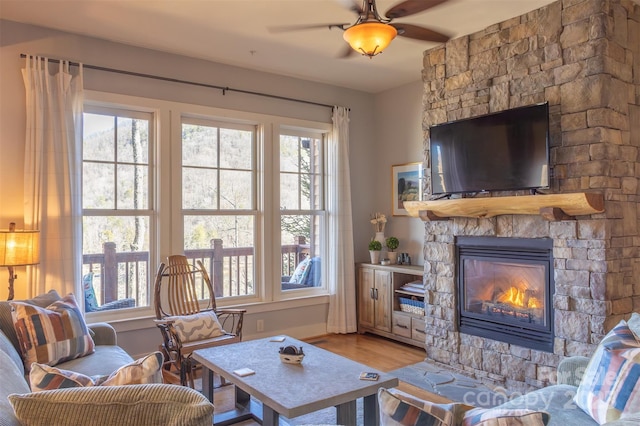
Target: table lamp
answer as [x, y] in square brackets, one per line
[18, 248]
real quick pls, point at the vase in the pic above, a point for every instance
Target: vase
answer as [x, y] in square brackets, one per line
[375, 256]
[393, 257]
[380, 237]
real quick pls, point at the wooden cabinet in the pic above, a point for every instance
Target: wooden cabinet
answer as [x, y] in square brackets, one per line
[375, 299]
[379, 302]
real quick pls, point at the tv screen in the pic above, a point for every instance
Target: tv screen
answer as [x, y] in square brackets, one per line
[504, 151]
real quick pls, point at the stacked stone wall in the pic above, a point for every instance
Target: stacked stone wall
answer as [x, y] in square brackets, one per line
[583, 58]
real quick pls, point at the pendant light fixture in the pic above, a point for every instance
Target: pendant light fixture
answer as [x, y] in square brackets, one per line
[370, 38]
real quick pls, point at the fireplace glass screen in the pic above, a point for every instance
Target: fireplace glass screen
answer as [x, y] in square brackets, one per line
[505, 288]
[508, 291]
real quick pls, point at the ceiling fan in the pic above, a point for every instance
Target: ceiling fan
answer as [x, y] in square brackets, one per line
[372, 33]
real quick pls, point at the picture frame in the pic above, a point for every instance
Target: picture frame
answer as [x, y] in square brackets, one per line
[407, 184]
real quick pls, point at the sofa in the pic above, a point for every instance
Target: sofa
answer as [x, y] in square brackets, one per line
[138, 404]
[555, 404]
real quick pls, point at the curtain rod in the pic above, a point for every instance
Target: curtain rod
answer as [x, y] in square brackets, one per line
[192, 83]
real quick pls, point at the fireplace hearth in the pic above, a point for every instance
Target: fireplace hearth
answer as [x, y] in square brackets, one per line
[505, 287]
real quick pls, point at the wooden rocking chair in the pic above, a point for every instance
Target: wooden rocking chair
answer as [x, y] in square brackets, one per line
[177, 303]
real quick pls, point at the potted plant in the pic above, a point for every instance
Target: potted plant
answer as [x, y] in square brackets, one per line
[374, 251]
[392, 244]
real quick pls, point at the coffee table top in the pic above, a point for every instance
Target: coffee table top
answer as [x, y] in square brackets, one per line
[322, 380]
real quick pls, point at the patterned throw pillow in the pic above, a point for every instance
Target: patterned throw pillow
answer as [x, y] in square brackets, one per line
[43, 377]
[634, 324]
[505, 416]
[200, 326]
[398, 408]
[301, 273]
[608, 389]
[53, 334]
[143, 370]
[6, 320]
[90, 301]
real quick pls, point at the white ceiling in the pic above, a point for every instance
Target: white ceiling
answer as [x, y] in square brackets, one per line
[236, 32]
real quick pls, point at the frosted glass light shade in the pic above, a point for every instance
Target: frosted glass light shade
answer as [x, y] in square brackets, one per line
[369, 38]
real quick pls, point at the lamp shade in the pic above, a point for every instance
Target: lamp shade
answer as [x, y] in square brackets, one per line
[19, 248]
[369, 38]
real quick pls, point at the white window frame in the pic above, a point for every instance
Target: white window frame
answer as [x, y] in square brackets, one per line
[166, 209]
[253, 211]
[323, 136]
[93, 104]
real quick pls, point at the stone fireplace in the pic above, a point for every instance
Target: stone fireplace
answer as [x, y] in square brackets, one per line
[583, 57]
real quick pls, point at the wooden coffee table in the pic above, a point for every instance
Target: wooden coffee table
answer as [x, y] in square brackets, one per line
[322, 380]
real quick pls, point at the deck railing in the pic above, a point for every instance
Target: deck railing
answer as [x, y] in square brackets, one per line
[118, 275]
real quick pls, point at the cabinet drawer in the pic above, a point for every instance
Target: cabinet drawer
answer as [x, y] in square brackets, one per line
[417, 329]
[401, 325]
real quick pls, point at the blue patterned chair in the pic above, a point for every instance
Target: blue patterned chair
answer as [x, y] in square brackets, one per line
[307, 274]
[91, 303]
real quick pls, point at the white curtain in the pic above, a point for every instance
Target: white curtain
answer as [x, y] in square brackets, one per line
[52, 173]
[341, 272]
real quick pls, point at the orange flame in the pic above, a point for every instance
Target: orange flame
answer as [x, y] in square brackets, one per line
[516, 297]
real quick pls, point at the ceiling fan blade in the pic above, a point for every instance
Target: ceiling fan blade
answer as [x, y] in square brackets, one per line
[420, 33]
[348, 51]
[289, 28]
[352, 5]
[410, 7]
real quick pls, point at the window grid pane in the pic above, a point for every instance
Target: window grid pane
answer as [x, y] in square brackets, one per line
[218, 202]
[302, 215]
[116, 199]
[225, 245]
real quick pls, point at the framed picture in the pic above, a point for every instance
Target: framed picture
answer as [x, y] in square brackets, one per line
[407, 182]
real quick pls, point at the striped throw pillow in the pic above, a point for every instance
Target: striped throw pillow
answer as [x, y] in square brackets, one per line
[609, 387]
[200, 326]
[141, 371]
[398, 408]
[53, 334]
[505, 416]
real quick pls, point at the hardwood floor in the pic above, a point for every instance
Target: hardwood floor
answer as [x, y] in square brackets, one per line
[374, 351]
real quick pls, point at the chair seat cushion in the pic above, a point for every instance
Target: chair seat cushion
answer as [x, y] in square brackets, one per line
[556, 400]
[225, 339]
[53, 334]
[105, 360]
[196, 327]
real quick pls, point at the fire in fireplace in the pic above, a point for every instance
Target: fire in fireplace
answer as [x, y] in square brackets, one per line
[505, 287]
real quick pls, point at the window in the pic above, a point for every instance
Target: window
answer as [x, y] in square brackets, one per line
[218, 202]
[301, 209]
[116, 201]
[161, 178]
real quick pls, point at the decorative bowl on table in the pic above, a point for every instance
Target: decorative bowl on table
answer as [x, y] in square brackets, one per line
[291, 354]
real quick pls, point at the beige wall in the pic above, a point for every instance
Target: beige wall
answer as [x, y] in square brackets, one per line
[399, 140]
[395, 138]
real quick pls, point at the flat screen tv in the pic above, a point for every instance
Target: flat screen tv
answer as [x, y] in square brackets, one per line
[503, 151]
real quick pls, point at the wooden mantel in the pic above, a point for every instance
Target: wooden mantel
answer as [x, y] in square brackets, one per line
[550, 206]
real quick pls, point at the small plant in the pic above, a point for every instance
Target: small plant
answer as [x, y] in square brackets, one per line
[375, 245]
[392, 243]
